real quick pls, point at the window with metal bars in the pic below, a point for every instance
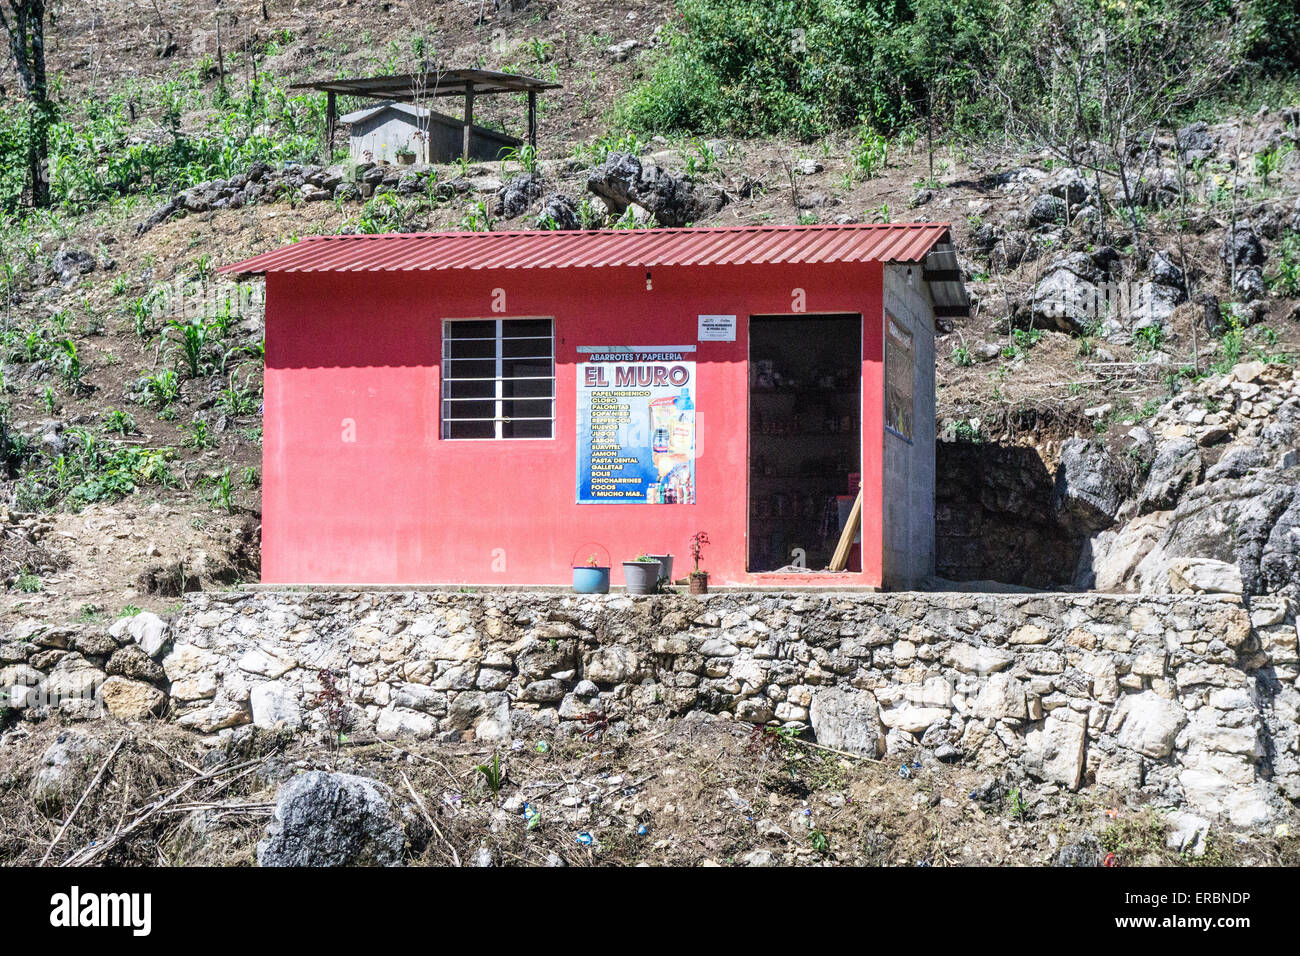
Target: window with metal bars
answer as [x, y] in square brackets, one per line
[498, 378]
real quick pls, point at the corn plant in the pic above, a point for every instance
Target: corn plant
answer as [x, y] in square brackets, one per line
[237, 399]
[200, 435]
[192, 340]
[870, 151]
[525, 155]
[221, 491]
[162, 389]
[478, 219]
[118, 422]
[493, 774]
[67, 362]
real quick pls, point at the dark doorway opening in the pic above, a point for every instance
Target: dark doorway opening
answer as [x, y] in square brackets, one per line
[805, 437]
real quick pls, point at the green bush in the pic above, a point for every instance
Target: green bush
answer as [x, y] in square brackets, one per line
[754, 67]
[91, 470]
[807, 67]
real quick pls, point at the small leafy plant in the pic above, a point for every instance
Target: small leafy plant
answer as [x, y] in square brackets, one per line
[699, 541]
[493, 774]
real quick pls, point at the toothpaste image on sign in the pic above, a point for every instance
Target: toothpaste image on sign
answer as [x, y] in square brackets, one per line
[636, 429]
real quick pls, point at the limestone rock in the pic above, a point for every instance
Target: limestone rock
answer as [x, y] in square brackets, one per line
[673, 201]
[1066, 297]
[912, 718]
[192, 671]
[275, 706]
[403, 722]
[146, 629]
[612, 665]
[1242, 247]
[216, 715]
[1111, 560]
[333, 819]
[1090, 486]
[558, 212]
[847, 720]
[1055, 752]
[64, 770]
[1148, 723]
[73, 679]
[487, 714]
[1187, 833]
[1204, 574]
[128, 699]
[1177, 466]
[131, 661]
[514, 198]
[1001, 696]
[976, 659]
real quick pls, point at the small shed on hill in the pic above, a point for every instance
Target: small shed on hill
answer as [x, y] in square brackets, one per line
[378, 134]
[428, 84]
[474, 408]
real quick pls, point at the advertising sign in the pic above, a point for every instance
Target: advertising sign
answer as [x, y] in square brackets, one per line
[636, 427]
[899, 375]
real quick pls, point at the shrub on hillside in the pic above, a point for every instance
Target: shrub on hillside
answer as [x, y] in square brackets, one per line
[759, 67]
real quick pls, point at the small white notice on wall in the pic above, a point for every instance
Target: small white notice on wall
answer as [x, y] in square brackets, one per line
[717, 328]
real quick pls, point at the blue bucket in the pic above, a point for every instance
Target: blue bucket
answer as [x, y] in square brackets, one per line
[590, 580]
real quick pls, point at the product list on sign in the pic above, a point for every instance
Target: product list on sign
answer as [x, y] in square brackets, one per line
[636, 427]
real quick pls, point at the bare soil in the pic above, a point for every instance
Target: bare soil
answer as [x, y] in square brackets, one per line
[699, 791]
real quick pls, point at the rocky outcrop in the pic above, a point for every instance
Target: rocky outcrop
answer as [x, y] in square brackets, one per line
[292, 182]
[1219, 509]
[1068, 297]
[515, 196]
[623, 181]
[558, 212]
[1090, 486]
[333, 819]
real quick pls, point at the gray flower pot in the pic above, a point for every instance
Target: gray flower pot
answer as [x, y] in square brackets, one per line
[641, 576]
[665, 567]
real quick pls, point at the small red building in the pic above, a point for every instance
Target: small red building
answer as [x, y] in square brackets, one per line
[486, 408]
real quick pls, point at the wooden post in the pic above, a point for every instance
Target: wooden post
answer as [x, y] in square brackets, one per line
[469, 117]
[331, 120]
[840, 560]
[532, 119]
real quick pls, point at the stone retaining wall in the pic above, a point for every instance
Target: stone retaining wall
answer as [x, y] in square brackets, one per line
[1191, 699]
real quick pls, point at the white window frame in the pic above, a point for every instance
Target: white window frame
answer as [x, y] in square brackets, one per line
[498, 419]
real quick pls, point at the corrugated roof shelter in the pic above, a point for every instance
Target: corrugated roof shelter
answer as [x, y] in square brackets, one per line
[428, 84]
[488, 408]
[384, 132]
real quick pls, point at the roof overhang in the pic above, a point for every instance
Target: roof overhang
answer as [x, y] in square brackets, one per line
[928, 244]
[430, 83]
[942, 273]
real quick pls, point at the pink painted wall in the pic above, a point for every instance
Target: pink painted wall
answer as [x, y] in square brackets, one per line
[401, 506]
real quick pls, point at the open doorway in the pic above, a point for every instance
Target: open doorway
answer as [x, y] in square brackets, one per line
[805, 437]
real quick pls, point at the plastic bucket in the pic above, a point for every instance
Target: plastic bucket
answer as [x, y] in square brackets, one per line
[665, 567]
[641, 577]
[591, 580]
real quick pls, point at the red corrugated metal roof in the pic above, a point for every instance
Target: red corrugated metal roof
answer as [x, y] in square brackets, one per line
[642, 248]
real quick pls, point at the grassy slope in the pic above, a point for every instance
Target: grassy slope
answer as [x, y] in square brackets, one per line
[1044, 385]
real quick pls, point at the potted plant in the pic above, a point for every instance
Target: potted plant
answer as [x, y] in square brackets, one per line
[406, 155]
[641, 574]
[591, 577]
[699, 579]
